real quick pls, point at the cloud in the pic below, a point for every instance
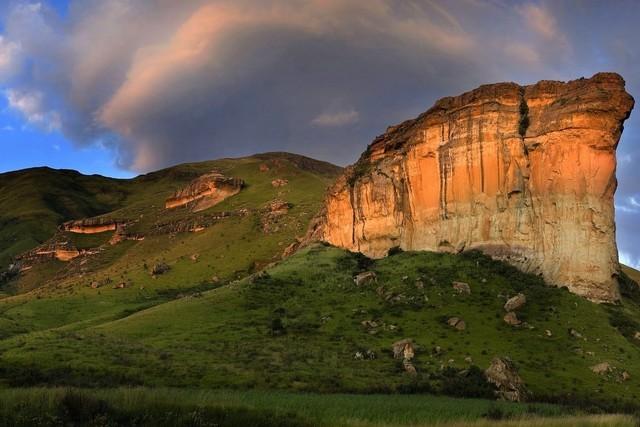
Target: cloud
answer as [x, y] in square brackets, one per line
[9, 58]
[540, 20]
[338, 118]
[629, 260]
[31, 105]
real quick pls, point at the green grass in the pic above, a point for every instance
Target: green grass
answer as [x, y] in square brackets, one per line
[141, 406]
[54, 294]
[222, 338]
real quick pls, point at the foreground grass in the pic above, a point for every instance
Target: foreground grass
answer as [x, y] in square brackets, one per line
[164, 406]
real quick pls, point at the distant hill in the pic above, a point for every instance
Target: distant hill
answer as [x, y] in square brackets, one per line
[632, 273]
[33, 202]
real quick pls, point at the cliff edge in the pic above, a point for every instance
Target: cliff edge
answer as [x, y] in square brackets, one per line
[525, 174]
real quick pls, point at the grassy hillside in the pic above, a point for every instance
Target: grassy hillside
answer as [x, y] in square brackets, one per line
[632, 273]
[33, 202]
[299, 326]
[54, 293]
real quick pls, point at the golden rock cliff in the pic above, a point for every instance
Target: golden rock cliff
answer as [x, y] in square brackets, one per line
[524, 173]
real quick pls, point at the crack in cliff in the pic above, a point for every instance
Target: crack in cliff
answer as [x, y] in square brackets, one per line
[523, 124]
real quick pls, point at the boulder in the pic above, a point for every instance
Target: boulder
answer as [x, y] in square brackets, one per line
[279, 182]
[516, 302]
[512, 319]
[503, 374]
[365, 278]
[403, 349]
[457, 323]
[462, 288]
[574, 333]
[601, 368]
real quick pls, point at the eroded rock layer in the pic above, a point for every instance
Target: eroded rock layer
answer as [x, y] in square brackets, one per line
[205, 191]
[523, 173]
[90, 226]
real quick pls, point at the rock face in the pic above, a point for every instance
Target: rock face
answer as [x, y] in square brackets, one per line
[205, 192]
[90, 225]
[524, 173]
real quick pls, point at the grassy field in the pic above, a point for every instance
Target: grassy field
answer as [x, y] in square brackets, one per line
[299, 326]
[139, 406]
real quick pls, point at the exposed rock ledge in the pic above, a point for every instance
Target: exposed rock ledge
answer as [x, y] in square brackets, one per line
[205, 191]
[91, 225]
[524, 173]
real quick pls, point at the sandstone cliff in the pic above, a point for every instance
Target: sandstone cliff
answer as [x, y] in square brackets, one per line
[205, 192]
[524, 173]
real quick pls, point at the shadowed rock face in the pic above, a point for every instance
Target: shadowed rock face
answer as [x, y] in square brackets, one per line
[524, 173]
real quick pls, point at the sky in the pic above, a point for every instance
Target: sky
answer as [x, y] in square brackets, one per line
[122, 87]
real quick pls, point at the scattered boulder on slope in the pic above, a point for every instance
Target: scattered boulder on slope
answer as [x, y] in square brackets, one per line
[512, 319]
[601, 368]
[503, 374]
[365, 278]
[516, 302]
[462, 288]
[457, 323]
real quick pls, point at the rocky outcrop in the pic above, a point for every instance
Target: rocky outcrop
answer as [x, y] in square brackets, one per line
[91, 225]
[271, 219]
[504, 376]
[524, 173]
[205, 191]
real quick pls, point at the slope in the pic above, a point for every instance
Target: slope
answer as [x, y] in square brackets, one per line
[305, 325]
[196, 250]
[34, 201]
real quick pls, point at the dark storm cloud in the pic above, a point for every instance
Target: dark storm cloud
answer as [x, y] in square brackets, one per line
[161, 82]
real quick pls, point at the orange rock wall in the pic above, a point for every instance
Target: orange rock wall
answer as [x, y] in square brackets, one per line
[462, 176]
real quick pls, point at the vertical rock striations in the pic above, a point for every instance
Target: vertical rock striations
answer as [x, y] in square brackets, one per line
[524, 173]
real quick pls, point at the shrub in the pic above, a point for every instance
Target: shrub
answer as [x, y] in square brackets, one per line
[468, 383]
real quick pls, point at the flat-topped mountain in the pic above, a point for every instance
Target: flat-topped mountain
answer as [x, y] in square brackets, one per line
[524, 173]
